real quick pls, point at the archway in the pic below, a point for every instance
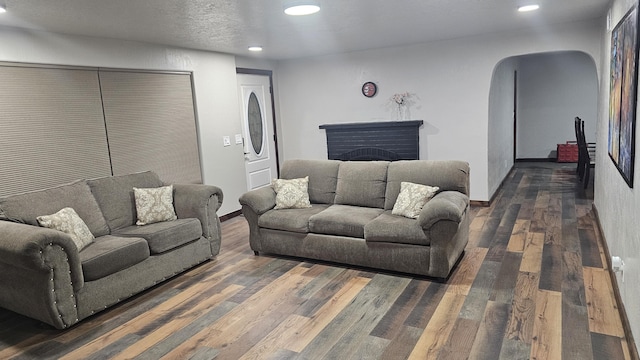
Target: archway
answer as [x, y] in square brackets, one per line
[533, 100]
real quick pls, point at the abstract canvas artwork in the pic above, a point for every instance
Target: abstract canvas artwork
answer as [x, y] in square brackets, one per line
[623, 94]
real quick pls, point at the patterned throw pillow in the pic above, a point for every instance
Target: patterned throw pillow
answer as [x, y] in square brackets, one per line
[412, 199]
[69, 222]
[292, 194]
[154, 204]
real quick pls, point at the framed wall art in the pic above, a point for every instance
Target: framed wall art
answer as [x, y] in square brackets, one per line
[623, 94]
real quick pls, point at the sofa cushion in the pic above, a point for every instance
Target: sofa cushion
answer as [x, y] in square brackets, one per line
[296, 220]
[292, 193]
[109, 254]
[26, 207]
[154, 204]
[395, 229]
[323, 176]
[115, 196]
[68, 221]
[450, 175]
[343, 220]
[164, 236]
[362, 183]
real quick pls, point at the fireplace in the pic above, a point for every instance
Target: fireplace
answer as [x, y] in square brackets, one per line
[385, 140]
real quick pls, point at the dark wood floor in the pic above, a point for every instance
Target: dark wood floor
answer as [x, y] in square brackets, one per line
[532, 284]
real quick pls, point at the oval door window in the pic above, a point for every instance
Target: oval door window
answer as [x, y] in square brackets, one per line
[254, 117]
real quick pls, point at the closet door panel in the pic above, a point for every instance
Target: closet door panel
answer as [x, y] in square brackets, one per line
[151, 124]
[52, 127]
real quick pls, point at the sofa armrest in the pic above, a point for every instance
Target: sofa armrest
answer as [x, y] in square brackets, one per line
[40, 273]
[447, 205]
[445, 220]
[254, 204]
[29, 247]
[259, 200]
[200, 202]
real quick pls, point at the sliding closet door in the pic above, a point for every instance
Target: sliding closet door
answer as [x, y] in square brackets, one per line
[151, 124]
[51, 127]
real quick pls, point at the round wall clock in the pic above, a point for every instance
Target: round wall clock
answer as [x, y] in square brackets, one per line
[369, 89]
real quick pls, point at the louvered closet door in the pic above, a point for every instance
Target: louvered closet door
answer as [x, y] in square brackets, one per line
[151, 124]
[51, 128]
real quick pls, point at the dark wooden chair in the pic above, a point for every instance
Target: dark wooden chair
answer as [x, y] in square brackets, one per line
[580, 165]
[586, 153]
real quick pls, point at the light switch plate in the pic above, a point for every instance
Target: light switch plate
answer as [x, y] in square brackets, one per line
[238, 138]
[226, 141]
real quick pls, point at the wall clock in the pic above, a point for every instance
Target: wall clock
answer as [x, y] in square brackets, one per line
[369, 89]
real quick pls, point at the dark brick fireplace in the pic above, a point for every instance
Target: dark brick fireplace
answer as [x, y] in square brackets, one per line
[385, 140]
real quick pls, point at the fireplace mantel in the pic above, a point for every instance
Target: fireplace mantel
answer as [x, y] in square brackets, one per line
[382, 140]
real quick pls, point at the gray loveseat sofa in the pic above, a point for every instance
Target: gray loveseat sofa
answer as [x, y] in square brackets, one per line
[350, 220]
[45, 277]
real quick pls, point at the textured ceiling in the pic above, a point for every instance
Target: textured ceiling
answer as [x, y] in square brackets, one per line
[230, 26]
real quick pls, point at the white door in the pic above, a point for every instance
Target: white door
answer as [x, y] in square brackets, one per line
[257, 125]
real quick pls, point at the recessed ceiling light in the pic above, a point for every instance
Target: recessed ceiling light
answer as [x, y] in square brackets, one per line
[255, 48]
[526, 8]
[297, 8]
[3, 9]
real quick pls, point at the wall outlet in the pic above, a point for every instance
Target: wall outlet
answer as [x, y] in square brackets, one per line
[226, 141]
[617, 265]
[239, 139]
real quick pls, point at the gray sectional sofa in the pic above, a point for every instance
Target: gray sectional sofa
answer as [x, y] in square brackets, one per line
[45, 277]
[350, 219]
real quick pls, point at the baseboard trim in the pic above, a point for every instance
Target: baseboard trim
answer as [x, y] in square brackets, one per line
[537, 160]
[616, 290]
[479, 203]
[230, 215]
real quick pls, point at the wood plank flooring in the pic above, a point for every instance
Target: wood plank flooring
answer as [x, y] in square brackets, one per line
[532, 285]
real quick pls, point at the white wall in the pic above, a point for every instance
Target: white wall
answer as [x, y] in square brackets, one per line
[451, 79]
[554, 88]
[500, 127]
[618, 205]
[254, 63]
[214, 77]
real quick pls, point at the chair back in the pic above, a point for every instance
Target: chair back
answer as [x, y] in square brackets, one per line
[585, 163]
[582, 142]
[577, 125]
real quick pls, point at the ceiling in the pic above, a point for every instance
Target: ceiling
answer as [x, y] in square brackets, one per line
[230, 26]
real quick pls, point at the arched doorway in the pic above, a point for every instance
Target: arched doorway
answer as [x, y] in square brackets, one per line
[532, 103]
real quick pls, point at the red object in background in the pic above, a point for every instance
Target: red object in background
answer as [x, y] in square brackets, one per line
[568, 152]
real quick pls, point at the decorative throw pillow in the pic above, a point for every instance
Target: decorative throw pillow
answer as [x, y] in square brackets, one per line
[154, 204]
[292, 194]
[69, 222]
[412, 199]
